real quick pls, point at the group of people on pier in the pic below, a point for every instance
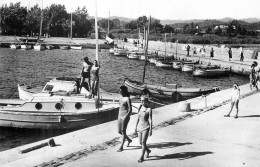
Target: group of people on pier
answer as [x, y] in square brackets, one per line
[89, 76]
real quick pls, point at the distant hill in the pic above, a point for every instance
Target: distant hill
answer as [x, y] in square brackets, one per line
[163, 22]
[251, 20]
[125, 19]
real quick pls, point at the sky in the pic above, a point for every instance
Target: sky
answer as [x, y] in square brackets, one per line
[160, 9]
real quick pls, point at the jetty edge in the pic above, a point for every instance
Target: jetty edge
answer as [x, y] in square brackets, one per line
[79, 144]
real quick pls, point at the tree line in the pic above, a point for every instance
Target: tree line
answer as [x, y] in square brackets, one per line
[56, 22]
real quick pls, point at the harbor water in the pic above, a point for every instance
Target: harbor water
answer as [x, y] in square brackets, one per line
[38, 67]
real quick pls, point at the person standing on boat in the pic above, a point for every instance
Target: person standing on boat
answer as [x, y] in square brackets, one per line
[234, 99]
[85, 74]
[211, 53]
[125, 111]
[144, 126]
[230, 54]
[94, 78]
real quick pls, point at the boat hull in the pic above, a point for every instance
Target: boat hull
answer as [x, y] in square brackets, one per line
[76, 47]
[167, 94]
[26, 47]
[58, 120]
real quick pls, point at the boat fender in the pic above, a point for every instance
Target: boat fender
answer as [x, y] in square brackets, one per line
[38, 106]
[58, 106]
[78, 105]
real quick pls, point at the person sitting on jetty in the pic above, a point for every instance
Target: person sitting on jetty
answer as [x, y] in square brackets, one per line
[125, 111]
[234, 99]
[85, 74]
[94, 78]
[144, 126]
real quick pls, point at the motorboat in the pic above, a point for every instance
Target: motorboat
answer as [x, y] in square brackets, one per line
[168, 92]
[57, 106]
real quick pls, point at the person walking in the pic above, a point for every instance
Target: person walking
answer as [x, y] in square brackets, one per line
[188, 50]
[203, 51]
[94, 78]
[211, 53]
[125, 111]
[85, 74]
[230, 54]
[234, 100]
[241, 54]
[252, 77]
[144, 124]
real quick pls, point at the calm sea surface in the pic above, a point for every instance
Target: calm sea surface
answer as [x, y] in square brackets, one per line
[38, 67]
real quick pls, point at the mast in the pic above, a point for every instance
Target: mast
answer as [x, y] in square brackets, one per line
[97, 57]
[165, 46]
[71, 25]
[108, 23]
[146, 48]
[39, 37]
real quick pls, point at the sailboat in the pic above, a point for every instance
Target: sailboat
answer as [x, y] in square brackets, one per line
[39, 46]
[59, 109]
[170, 92]
[163, 63]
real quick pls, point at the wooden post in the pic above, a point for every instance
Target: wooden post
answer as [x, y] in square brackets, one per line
[146, 48]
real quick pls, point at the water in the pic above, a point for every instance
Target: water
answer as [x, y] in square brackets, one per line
[36, 68]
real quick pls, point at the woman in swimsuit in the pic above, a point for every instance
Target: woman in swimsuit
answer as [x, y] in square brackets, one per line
[94, 78]
[125, 111]
[144, 126]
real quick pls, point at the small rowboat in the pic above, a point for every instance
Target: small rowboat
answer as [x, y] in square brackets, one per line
[173, 93]
[120, 52]
[39, 47]
[49, 47]
[200, 72]
[14, 46]
[76, 47]
[163, 64]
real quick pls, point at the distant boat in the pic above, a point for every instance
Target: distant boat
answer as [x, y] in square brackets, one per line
[64, 47]
[76, 47]
[26, 46]
[15, 46]
[38, 47]
[49, 47]
[200, 72]
[120, 52]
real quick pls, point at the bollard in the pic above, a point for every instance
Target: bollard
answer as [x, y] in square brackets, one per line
[184, 106]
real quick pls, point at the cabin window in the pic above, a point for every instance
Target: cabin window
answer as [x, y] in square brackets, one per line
[48, 88]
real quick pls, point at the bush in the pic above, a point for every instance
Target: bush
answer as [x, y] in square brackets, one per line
[184, 41]
[200, 41]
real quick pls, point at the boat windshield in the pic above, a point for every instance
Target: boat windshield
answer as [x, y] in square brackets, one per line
[48, 88]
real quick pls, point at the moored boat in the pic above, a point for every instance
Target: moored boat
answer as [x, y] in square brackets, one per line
[26, 46]
[133, 55]
[64, 47]
[15, 46]
[76, 47]
[38, 47]
[163, 64]
[171, 93]
[49, 47]
[204, 72]
[120, 52]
